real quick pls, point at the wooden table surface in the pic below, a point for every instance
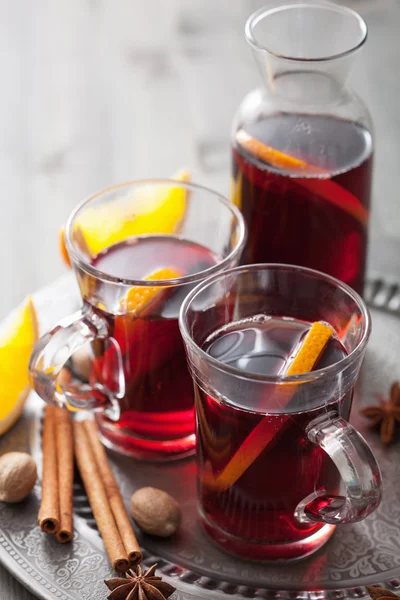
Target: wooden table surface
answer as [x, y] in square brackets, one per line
[95, 92]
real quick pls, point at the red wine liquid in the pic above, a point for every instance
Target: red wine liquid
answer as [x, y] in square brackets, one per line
[316, 218]
[157, 413]
[254, 517]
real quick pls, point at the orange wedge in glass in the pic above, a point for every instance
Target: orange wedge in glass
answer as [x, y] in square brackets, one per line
[138, 300]
[305, 359]
[132, 330]
[146, 211]
[17, 339]
[271, 155]
[311, 177]
[140, 297]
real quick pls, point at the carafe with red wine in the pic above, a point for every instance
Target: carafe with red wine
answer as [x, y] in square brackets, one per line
[302, 145]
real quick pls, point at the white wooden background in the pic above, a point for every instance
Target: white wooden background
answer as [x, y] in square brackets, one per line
[99, 91]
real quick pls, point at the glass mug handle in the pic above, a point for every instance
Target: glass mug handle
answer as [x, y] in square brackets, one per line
[56, 347]
[358, 470]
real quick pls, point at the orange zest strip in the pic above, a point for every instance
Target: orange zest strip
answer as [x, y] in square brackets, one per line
[139, 297]
[325, 188]
[262, 435]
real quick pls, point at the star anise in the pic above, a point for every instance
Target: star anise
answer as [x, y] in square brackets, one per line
[385, 414]
[139, 586]
[378, 593]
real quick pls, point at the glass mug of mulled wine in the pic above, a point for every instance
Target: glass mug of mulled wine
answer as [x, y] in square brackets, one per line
[275, 352]
[137, 249]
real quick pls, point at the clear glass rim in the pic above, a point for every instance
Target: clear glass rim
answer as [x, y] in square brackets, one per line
[263, 12]
[304, 377]
[89, 268]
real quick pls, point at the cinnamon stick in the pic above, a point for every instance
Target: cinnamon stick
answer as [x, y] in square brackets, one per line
[98, 499]
[49, 516]
[65, 464]
[114, 496]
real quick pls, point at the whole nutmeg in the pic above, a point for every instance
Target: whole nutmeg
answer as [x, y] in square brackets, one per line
[155, 511]
[17, 476]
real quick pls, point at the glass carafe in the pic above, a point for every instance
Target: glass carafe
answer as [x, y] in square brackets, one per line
[302, 144]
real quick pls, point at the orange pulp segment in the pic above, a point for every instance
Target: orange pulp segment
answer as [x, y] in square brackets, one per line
[16, 344]
[321, 186]
[307, 356]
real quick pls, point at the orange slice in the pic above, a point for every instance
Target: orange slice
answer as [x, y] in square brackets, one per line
[270, 155]
[16, 343]
[317, 181]
[140, 297]
[132, 332]
[307, 356]
[311, 349]
[148, 210]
